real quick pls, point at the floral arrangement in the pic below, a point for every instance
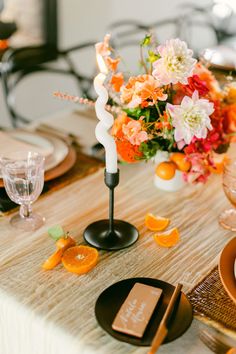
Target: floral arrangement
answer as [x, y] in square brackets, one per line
[175, 105]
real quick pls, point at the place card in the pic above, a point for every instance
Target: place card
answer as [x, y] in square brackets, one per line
[136, 311]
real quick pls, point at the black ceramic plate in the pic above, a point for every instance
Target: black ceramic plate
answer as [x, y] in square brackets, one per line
[111, 299]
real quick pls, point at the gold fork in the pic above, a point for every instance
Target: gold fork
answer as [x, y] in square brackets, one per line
[215, 344]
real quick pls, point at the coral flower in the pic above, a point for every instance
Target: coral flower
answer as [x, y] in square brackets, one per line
[103, 48]
[208, 78]
[175, 64]
[191, 118]
[199, 169]
[118, 123]
[151, 91]
[195, 83]
[134, 133]
[127, 151]
[164, 123]
[117, 81]
[112, 63]
[142, 90]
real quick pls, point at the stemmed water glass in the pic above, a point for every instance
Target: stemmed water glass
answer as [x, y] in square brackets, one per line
[227, 218]
[23, 176]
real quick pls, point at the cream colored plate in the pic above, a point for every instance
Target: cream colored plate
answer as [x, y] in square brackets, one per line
[46, 147]
[57, 150]
[61, 150]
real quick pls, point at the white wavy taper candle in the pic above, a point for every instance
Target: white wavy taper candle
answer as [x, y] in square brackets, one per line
[106, 122]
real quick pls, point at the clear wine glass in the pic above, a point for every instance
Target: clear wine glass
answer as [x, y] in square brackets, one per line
[23, 176]
[227, 218]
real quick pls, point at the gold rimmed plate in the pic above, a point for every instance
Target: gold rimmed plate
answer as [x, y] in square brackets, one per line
[227, 268]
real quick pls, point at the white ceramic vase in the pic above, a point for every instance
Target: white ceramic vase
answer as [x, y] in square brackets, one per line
[170, 185]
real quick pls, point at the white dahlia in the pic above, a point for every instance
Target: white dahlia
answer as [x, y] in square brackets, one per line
[191, 118]
[175, 63]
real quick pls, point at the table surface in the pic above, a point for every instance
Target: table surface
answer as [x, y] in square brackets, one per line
[55, 309]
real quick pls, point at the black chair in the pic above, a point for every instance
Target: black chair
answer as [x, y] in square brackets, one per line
[18, 64]
[126, 36]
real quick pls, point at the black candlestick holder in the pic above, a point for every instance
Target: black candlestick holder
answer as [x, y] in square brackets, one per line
[110, 234]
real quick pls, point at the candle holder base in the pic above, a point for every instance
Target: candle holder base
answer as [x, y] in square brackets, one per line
[98, 235]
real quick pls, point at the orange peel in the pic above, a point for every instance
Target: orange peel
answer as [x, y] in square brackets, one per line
[156, 223]
[53, 260]
[168, 238]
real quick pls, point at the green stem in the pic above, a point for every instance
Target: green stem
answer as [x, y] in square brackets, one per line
[158, 109]
[142, 61]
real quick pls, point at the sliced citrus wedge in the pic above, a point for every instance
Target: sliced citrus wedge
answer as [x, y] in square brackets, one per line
[80, 259]
[65, 242]
[168, 238]
[156, 223]
[53, 260]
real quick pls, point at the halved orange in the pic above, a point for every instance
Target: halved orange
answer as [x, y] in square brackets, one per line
[156, 223]
[53, 260]
[80, 259]
[65, 242]
[167, 239]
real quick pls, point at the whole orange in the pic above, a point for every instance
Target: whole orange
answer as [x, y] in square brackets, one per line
[166, 170]
[180, 160]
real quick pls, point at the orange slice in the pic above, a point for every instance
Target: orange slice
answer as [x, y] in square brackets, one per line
[156, 223]
[231, 351]
[166, 170]
[167, 239]
[53, 260]
[80, 259]
[180, 160]
[65, 242]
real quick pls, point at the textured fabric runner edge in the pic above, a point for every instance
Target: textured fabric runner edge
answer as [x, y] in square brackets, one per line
[201, 313]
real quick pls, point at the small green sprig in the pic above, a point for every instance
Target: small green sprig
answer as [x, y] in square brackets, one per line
[149, 149]
[146, 41]
[56, 232]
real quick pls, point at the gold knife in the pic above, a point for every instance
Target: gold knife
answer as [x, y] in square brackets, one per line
[162, 330]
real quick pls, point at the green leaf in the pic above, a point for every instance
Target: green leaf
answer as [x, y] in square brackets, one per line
[153, 56]
[149, 149]
[146, 41]
[56, 232]
[222, 148]
[136, 113]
